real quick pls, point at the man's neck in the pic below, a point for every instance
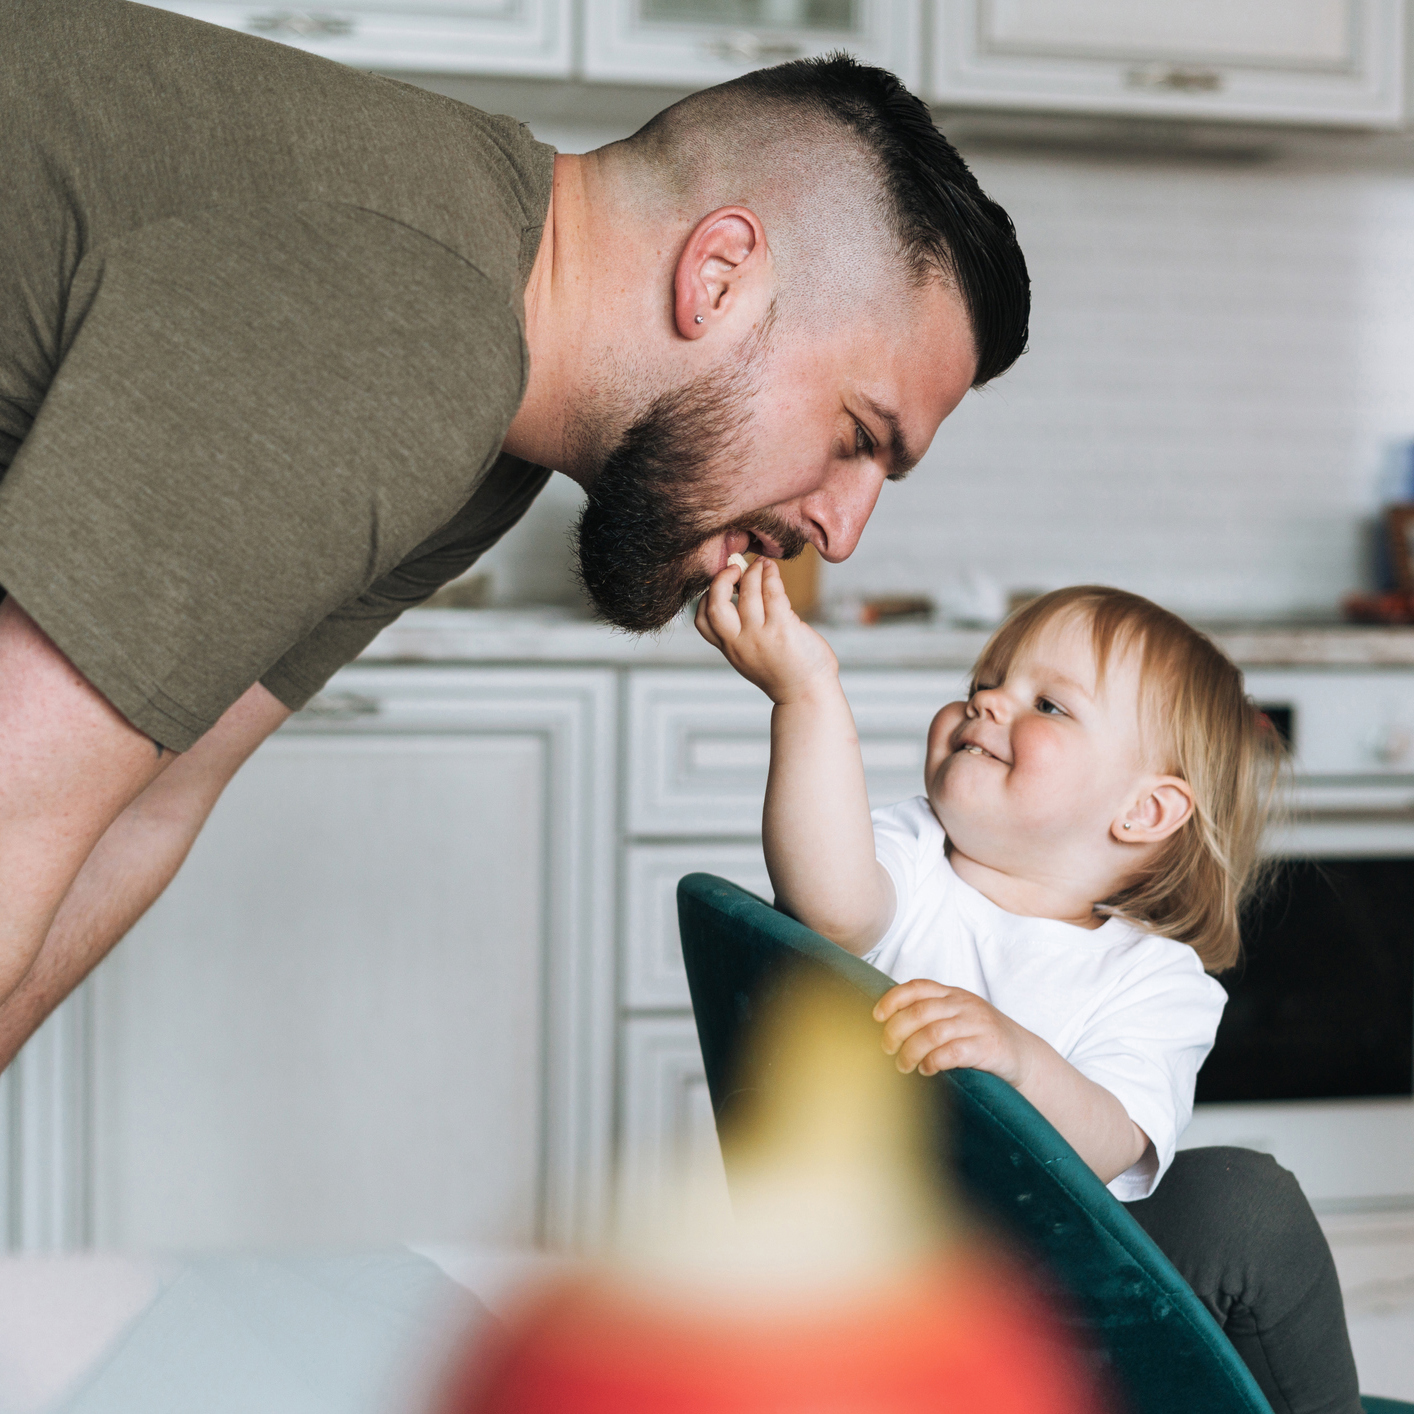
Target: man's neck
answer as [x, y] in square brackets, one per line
[1027, 897]
[557, 312]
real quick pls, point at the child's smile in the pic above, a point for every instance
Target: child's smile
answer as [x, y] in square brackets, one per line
[1072, 751]
[973, 749]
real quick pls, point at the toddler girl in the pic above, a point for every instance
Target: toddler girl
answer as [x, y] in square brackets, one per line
[1054, 902]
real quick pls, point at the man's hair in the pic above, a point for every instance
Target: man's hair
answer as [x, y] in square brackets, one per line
[941, 223]
[1199, 722]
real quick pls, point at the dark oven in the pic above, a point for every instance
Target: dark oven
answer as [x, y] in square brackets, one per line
[1314, 1060]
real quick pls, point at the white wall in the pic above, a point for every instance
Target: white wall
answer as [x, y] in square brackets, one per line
[1222, 358]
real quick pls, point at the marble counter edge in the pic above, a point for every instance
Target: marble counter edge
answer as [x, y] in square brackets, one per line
[545, 636]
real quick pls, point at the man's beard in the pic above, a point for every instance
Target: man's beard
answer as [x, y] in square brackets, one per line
[656, 502]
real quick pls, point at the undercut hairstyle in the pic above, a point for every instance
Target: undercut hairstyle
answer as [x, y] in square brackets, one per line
[941, 224]
[1199, 725]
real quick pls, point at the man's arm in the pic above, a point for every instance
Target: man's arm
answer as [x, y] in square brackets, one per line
[95, 819]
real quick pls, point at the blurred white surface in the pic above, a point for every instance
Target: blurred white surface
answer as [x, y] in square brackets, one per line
[106, 1333]
[58, 1315]
[1374, 1254]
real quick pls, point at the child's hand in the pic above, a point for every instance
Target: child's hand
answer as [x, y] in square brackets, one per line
[929, 1027]
[762, 637]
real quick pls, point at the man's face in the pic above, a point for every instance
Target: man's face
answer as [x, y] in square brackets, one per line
[791, 446]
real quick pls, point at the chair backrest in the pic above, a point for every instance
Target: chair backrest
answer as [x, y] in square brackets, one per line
[1133, 1309]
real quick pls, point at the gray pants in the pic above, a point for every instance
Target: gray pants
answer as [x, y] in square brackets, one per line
[1240, 1231]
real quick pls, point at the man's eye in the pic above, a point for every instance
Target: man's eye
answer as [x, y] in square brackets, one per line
[863, 442]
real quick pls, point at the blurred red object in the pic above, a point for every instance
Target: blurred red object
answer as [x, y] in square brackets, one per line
[965, 1336]
[1394, 606]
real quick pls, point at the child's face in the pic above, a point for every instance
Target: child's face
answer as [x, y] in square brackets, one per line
[1032, 773]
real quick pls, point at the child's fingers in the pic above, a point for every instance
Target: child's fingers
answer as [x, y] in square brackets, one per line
[955, 1055]
[905, 994]
[944, 1045]
[704, 627]
[748, 595]
[702, 618]
[901, 1028]
[721, 615]
[773, 590]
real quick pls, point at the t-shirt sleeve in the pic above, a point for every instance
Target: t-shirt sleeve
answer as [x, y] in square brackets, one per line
[908, 841]
[1145, 1045]
[498, 504]
[257, 417]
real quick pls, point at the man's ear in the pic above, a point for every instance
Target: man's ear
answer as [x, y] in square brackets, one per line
[725, 246]
[1162, 807]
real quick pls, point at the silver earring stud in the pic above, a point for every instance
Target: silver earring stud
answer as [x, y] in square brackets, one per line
[1128, 826]
[698, 318]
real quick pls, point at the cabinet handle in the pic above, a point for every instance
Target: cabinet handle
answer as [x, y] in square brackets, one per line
[743, 47]
[306, 24]
[336, 706]
[1176, 78]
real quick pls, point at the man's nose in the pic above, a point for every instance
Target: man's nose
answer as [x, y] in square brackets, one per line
[840, 509]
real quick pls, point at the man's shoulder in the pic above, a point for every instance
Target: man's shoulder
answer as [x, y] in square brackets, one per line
[309, 275]
[144, 114]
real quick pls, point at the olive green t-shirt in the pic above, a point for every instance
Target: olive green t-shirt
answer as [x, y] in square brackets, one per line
[261, 337]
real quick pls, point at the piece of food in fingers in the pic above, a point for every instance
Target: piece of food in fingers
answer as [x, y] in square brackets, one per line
[739, 561]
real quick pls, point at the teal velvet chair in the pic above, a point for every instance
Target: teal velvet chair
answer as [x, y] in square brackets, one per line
[1131, 1308]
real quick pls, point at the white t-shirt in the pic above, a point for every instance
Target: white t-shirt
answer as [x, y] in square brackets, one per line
[1134, 1012]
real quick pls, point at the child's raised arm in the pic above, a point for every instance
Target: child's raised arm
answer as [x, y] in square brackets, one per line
[818, 835]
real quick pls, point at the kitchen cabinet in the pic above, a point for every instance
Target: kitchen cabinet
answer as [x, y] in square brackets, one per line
[376, 1005]
[421, 977]
[1300, 61]
[1321, 62]
[525, 37]
[668, 1133]
[695, 781]
[695, 43]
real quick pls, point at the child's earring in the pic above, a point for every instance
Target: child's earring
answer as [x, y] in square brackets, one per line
[1128, 826]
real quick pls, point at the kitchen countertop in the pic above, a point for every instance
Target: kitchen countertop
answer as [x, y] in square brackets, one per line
[552, 635]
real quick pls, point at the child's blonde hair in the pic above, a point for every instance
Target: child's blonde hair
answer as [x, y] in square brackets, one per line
[1208, 732]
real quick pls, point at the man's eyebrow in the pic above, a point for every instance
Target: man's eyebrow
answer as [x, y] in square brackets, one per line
[899, 454]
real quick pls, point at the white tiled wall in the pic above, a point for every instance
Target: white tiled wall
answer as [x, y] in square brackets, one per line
[1222, 357]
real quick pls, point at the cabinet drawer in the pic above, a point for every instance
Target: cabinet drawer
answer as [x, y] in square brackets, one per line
[667, 1129]
[444, 36]
[700, 745]
[699, 42]
[653, 970]
[1323, 61]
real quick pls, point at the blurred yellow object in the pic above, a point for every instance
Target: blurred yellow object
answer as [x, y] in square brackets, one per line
[831, 1185]
[838, 1285]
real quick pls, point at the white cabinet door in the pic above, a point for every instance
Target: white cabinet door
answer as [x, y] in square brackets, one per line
[701, 42]
[669, 1136]
[1308, 61]
[377, 1003]
[653, 970]
[531, 37]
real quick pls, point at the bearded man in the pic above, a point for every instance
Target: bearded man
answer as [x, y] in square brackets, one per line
[284, 347]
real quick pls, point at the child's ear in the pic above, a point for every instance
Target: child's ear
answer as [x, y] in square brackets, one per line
[1163, 806]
